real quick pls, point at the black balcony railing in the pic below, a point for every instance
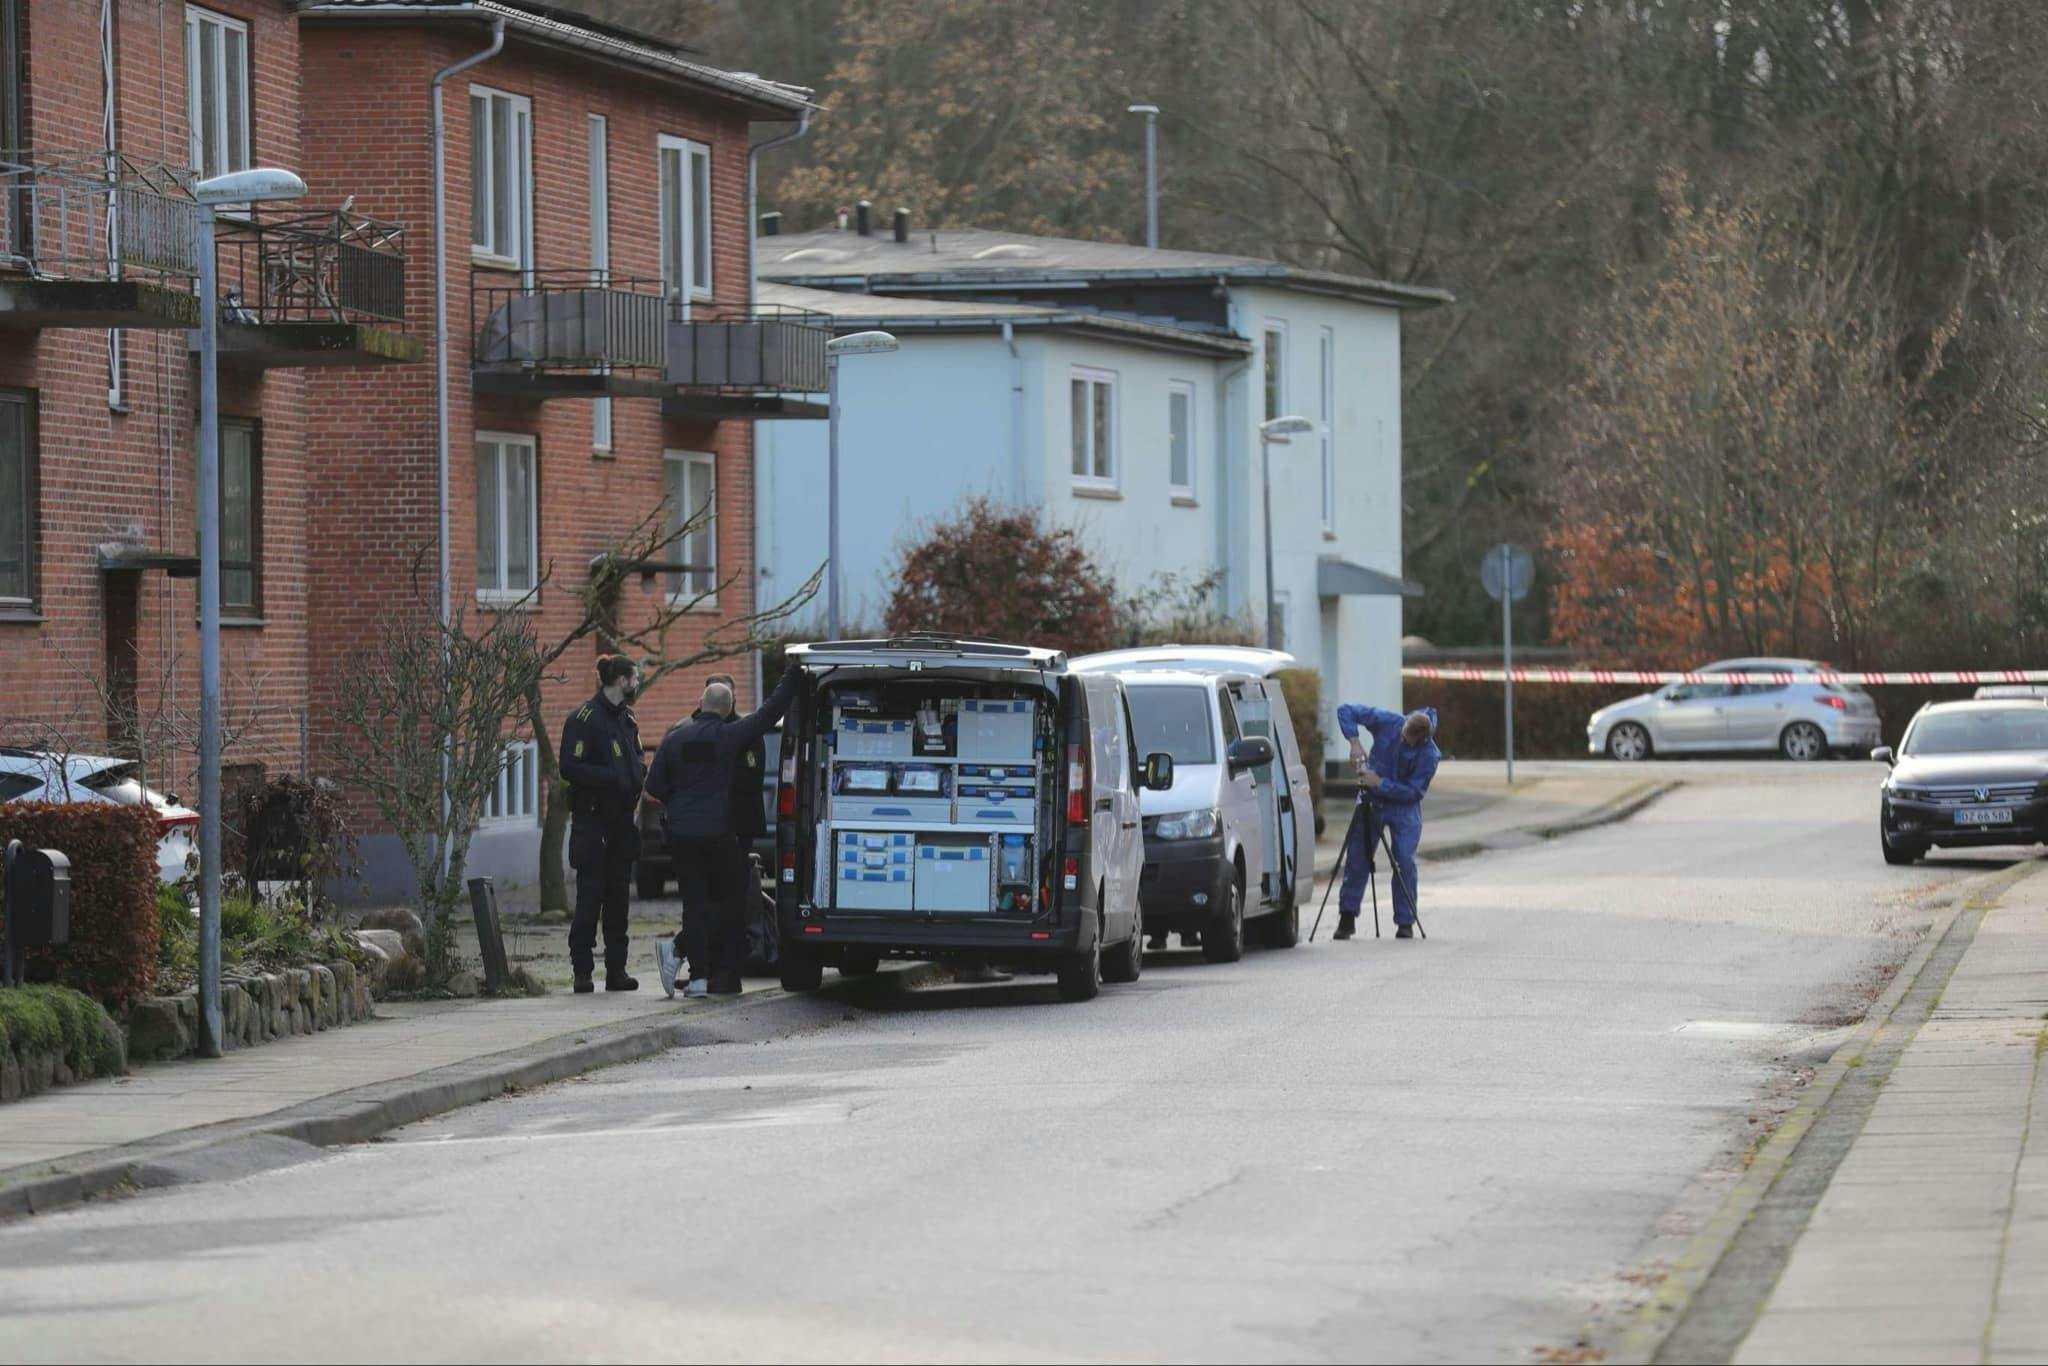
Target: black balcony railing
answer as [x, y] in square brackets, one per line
[580, 320]
[748, 349]
[565, 320]
[96, 216]
[331, 266]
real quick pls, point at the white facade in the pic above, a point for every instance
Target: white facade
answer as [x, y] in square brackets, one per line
[955, 414]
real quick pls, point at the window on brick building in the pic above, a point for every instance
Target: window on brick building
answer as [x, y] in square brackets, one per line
[693, 490]
[507, 517]
[501, 176]
[514, 799]
[685, 218]
[241, 518]
[17, 499]
[216, 92]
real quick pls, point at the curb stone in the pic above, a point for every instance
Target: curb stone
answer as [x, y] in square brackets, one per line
[1629, 802]
[1641, 1334]
[352, 1116]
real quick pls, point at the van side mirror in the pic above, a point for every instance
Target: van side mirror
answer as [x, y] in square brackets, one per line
[1158, 772]
[1884, 752]
[1253, 751]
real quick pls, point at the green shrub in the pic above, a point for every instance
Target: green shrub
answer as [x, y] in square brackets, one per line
[177, 941]
[112, 955]
[60, 1020]
[1303, 689]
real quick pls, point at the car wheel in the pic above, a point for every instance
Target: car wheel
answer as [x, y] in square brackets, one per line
[1803, 742]
[1628, 742]
[800, 971]
[1128, 961]
[1902, 852]
[1281, 929]
[1081, 973]
[1223, 936]
[859, 962]
[649, 882]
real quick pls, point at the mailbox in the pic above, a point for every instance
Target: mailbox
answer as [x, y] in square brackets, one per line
[38, 898]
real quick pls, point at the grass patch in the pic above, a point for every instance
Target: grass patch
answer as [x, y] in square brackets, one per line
[59, 1020]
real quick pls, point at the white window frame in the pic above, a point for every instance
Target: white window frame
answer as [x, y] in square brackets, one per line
[1326, 432]
[514, 798]
[681, 591]
[483, 197]
[203, 25]
[503, 594]
[1090, 376]
[598, 134]
[691, 218]
[1181, 389]
[1277, 404]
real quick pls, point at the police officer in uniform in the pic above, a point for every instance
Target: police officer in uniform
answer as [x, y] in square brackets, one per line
[601, 763]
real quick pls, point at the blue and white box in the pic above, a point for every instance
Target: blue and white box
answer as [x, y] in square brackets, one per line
[997, 731]
[955, 875]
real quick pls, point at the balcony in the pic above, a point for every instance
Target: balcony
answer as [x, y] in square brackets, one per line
[303, 289]
[578, 334]
[95, 239]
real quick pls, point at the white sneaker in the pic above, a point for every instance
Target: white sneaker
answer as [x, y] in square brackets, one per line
[699, 988]
[665, 966]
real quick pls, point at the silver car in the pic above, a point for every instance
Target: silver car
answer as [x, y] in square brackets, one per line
[29, 775]
[1801, 721]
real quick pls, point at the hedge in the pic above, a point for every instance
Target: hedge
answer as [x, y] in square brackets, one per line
[1304, 692]
[60, 1020]
[112, 955]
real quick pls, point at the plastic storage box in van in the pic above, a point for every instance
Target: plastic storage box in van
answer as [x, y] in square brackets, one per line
[954, 874]
[996, 731]
[874, 870]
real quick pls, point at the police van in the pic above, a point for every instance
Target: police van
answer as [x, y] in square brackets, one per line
[944, 798]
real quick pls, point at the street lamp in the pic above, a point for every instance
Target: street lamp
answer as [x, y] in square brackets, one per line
[1151, 113]
[239, 187]
[1274, 431]
[852, 344]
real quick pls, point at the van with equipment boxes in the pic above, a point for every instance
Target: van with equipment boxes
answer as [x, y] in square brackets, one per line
[952, 799]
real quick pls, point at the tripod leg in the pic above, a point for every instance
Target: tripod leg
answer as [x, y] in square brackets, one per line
[1336, 875]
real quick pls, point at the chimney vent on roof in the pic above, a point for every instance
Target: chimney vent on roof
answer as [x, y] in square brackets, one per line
[863, 215]
[771, 224]
[902, 225]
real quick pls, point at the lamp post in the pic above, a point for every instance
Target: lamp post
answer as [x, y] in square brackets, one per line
[852, 344]
[1272, 432]
[239, 187]
[1151, 113]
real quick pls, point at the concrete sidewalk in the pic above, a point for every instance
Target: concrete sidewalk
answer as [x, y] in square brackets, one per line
[1471, 809]
[1930, 1240]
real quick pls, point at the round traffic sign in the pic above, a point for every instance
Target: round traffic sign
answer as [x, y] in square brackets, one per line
[1507, 567]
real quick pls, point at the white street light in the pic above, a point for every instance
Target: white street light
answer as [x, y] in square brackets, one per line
[239, 187]
[852, 344]
[1274, 431]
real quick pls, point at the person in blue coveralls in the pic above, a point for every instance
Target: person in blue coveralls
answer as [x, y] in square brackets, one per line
[1392, 782]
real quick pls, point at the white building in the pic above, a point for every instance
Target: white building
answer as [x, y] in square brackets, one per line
[1120, 390]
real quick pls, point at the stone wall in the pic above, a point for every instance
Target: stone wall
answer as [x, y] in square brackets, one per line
[254, 1010]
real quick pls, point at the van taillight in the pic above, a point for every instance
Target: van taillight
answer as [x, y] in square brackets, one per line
[785, 802]
[1077, 786]
[789, 866]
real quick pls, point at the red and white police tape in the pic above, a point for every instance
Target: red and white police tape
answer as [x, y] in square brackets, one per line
[1541, 675]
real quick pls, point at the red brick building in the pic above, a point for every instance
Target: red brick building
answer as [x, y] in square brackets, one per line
[601, 357]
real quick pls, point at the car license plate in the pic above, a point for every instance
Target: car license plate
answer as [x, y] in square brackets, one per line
[1984, 815]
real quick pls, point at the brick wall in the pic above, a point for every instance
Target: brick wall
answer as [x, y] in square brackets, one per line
[349, 469]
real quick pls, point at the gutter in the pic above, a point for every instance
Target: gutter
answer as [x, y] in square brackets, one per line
[1275, 277]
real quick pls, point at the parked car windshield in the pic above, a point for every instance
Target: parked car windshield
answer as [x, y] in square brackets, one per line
[1174, 719]
[1979, 732]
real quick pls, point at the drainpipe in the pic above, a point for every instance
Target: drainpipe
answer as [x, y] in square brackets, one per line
[803, 125]
[440, 153]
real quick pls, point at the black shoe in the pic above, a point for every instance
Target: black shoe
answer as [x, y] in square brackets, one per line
[1405, 932]
[1347, 926]
[583, 983]
[1157, 941]
[619, 981]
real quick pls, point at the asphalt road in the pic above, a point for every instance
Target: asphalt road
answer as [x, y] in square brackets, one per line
[1441, 1150]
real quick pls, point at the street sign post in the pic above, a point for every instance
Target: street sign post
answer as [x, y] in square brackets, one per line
[1507, 574]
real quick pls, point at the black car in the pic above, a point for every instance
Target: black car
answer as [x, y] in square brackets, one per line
[1967, 775]
[653, 870]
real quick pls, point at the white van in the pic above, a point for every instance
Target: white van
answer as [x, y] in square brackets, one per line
[959, 799]
[1233, 839]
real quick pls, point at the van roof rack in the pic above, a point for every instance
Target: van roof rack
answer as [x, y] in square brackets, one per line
[934, 642]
